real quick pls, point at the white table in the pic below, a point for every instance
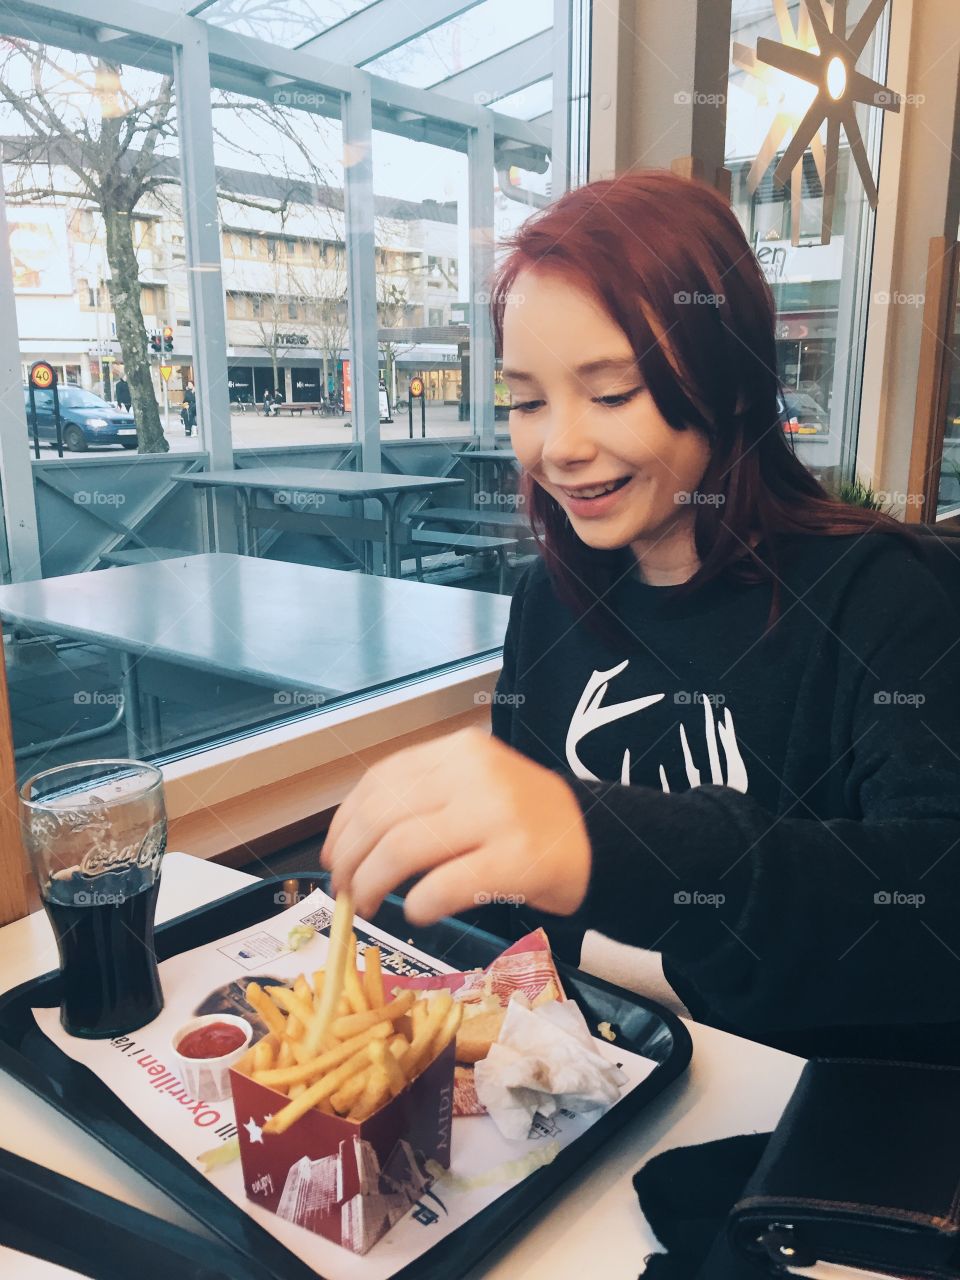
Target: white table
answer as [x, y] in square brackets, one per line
[286, 627]
[731, 1087]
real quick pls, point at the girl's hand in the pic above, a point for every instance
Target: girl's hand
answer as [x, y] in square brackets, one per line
[485, 824]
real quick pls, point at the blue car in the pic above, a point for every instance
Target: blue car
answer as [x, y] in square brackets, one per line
[86, 420]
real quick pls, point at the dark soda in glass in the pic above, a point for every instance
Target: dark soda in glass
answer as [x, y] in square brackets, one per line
[96, 833]
[108, 966]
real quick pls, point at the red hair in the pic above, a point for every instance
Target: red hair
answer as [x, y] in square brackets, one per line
[665, 255]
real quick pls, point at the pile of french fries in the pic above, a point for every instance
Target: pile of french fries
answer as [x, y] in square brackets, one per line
[341, 1044]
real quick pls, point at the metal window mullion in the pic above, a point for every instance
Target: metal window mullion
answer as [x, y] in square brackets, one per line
[480, 169]
[357, 120]
[562, 82]
[16, 471]
[201, 221]
[856, 275]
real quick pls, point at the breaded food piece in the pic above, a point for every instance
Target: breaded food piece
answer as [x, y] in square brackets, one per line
[476, 1035]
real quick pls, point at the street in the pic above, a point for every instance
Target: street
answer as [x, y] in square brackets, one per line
[252, 431]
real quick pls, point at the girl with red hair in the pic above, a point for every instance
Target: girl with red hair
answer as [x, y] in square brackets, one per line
[727, 728]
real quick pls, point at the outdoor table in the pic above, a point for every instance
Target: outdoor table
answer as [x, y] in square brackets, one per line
[388, 490]
[499, 461]
[290, 627]
[592, 1227]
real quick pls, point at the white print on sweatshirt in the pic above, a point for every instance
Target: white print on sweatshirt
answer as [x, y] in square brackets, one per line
[591, 714]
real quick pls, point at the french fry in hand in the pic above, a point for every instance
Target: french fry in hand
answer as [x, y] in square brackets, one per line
[373, 978]
[337, 957]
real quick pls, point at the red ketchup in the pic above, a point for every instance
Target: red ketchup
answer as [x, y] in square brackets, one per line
[215, 1040]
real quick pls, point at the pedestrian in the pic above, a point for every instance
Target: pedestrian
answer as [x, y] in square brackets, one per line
[122, 393]
[188, 410]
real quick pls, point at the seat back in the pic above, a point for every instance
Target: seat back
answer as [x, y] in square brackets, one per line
[940, 547]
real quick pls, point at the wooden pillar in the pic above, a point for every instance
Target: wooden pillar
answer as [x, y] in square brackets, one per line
[13, 887]
[933, 381]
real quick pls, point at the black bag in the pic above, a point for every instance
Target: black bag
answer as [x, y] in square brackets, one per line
[863, 1170]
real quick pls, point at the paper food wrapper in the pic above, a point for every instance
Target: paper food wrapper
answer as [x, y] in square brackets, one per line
[544, 1060]
[526, 967]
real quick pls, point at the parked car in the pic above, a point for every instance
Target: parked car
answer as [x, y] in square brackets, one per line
[802, 415]
[85, 419]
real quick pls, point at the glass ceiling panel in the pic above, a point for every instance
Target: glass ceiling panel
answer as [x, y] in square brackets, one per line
[284, 22]
[481, 32]
[526, 104]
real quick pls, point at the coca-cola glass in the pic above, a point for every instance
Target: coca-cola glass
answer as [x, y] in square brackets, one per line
[96, 834]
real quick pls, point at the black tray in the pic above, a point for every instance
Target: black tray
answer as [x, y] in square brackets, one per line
[49, 1216]
[27, 1054]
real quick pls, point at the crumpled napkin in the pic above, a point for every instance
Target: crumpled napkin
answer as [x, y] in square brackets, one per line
[543, 1060]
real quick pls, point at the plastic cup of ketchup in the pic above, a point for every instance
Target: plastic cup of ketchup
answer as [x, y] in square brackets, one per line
[205, 1049]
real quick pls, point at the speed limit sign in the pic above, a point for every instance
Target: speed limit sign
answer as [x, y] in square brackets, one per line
[416, 386]
[43, 375]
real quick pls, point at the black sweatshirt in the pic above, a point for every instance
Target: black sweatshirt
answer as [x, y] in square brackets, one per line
[780, 815]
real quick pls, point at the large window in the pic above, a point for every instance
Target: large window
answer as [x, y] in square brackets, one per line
[821, 290]
[200, 305]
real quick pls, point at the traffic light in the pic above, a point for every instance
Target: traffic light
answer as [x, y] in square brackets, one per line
[155, 343]
[168, 338]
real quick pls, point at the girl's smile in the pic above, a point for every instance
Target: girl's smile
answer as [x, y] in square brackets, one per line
[592, 501]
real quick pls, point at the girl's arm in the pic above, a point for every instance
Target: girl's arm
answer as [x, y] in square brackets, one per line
[788, 920]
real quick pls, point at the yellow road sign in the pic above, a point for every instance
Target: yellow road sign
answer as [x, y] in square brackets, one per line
[42, 375]
[165, 371]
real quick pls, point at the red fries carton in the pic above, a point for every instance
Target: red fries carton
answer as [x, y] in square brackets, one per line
[348, 1181]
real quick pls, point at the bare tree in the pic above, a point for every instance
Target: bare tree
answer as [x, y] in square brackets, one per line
[114, 157]
[324, 294]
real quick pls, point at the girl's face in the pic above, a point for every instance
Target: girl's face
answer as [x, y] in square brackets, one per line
[583, 424]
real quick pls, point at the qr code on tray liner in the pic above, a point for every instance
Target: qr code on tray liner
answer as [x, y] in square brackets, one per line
[321, 919]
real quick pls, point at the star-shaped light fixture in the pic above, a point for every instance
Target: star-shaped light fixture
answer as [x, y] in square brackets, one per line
[819, 53]
[790, 99]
